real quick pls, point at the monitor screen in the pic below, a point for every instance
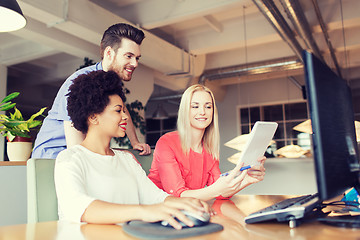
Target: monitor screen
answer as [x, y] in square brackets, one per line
[335, 148]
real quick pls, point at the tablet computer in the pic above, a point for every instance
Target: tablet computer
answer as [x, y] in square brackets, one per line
[259, 140]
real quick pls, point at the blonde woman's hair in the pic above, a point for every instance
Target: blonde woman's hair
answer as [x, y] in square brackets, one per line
[211, 138]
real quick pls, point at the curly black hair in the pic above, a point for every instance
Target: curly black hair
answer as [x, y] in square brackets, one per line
[89, 94]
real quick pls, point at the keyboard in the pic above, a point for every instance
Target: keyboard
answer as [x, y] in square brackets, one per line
[287, 210]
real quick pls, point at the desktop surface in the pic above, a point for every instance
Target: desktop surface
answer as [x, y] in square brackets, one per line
[230, 214]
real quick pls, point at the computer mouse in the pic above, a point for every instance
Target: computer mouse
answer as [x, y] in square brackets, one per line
[197, 219]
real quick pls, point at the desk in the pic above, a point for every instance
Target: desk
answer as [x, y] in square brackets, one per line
[12, 163]
[230, 214]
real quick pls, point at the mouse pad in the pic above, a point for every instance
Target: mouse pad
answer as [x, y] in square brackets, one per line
[147, 230]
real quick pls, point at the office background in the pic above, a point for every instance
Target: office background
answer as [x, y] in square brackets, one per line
[228, 45]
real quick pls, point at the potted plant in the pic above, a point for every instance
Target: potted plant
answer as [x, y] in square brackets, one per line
[16, 129]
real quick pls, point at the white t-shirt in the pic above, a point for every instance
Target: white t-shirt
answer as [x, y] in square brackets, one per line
[82, 176]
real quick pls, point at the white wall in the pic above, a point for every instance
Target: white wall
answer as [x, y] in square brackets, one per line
[141, 85]
[286, 177]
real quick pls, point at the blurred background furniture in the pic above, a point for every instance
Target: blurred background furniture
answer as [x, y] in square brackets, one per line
[41, 195]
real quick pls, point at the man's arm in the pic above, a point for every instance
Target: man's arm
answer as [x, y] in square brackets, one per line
[72, 136]
[130, 132]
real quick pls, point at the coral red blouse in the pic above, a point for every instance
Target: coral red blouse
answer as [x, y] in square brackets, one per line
[174, 172]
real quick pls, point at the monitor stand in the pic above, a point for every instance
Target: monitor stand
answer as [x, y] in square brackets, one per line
[311, 216]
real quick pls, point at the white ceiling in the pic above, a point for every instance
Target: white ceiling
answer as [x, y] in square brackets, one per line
[211, 37]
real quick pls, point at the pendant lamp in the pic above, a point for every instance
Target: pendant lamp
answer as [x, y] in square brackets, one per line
[11, 16]
[238, 142]
[306, 128]
[160, 113]
[291, 151]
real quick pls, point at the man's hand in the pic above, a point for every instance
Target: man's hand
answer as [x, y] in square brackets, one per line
[143, 147]
[131, 134]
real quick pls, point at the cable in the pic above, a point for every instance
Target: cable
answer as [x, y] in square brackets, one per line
[343, 32]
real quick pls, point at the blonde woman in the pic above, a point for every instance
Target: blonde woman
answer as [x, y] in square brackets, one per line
[187, 160]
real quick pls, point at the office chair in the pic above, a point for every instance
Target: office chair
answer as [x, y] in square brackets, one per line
[41, 195]
[145, 161]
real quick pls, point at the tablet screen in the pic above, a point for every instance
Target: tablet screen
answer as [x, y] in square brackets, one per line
[259, 140]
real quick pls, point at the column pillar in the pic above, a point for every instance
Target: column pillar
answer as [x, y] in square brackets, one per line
[3, 91]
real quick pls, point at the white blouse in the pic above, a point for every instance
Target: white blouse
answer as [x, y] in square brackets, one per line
[82, 176]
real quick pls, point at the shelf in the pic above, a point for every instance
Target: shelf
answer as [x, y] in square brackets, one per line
[12, 163]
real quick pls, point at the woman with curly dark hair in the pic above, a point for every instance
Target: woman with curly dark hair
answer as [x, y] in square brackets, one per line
[97, 184]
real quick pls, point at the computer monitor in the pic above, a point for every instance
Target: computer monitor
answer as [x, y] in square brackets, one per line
[335, 148]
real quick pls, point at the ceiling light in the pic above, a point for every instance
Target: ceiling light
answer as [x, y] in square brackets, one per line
[160, 113]
[238, 142]
[11, 16]
[306, 128]
[291, 151]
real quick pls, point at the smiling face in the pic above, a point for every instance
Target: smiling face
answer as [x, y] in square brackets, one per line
[113, 120]
[126, 59]
[201, 110]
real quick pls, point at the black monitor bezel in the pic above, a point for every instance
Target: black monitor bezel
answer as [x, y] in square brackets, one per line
[321, 85]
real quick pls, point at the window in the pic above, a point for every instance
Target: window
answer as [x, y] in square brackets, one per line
[156, 128]
[356, 103]
[286, 115]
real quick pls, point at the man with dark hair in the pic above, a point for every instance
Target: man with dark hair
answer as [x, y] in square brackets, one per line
[120, 52]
